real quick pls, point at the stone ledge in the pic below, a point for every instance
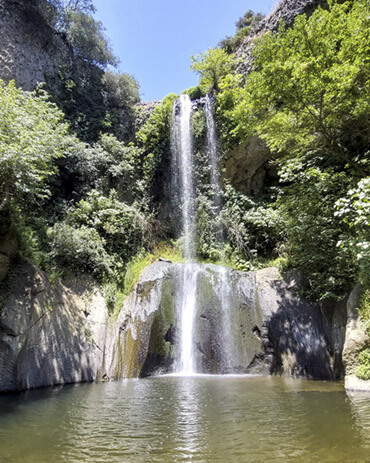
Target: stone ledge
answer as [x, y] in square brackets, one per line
[353, 383]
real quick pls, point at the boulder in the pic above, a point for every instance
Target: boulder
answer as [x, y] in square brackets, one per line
[357, 339]
[243, 323]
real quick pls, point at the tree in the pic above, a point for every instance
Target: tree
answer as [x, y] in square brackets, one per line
[244, 28]
[309, 99]
[212, 66]
[310, 90]
[32, 136]
[249, 19]
[86, 35]
[121, 94]
[74, 21]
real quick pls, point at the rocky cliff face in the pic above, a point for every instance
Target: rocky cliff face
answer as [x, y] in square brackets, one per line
[50, 333]
[245, 323]
[29, 48]
[285, 10]
[269, 330]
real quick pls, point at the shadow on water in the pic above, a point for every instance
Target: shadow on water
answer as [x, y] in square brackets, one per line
[11, 401]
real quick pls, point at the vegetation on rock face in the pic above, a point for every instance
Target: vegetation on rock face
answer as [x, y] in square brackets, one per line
[32, 136]
[363, 371]
[212, 66]
[244, 27]
[96, 183]
[308, 98]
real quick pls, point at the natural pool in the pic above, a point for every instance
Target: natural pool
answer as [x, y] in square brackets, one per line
[179, 419]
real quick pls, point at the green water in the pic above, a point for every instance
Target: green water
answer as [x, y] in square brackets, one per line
[201, 419]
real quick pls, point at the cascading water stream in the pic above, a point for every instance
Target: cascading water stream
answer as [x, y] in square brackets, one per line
[213, 154]
[188, 308]
[223, 283]
[189, 273]
[182, 153]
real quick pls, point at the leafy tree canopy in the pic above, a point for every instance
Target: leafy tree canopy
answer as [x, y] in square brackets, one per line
[32, 135]
[212, 66]
[310, 89]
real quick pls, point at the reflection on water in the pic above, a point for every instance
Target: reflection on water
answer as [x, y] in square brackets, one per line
[177, 419]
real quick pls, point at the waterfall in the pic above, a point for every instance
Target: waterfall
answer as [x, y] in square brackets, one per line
[213, 153]
[223, 283]
[183, 169]
[190, 276]
[188, 309]
[183, 179]
[224, 289]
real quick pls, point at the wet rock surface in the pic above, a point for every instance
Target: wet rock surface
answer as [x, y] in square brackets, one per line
[357, 339]
[244, 323]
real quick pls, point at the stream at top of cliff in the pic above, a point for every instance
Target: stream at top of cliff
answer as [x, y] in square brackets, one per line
[178, 419]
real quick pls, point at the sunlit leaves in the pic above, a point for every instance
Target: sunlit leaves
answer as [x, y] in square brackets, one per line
[32, 135]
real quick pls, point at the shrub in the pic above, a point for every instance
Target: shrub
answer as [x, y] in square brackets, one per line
[363, 370]
[32, 136]
[79, 249]
[212, 66]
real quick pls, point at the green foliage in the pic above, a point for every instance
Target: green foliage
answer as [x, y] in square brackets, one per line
[121, 94]
[310, 89]
[119, 225]
[99, 236]
[79, 93]
[249, 19]
[32, 136]
[354, 209]
[106, 165]
[252, 228]
[312, 231]
[134, 269]
[121, 90]
[209, 230]
[245, 25]
[73, 19]
[114, 298]
[199, 129]
[365, 309]
[86, 36]
[79, 249]
[308, 98]
[195, 93]
[212, 66]
[154, 140]
[363, 370]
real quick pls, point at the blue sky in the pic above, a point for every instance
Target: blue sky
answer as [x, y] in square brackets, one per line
[154, 38]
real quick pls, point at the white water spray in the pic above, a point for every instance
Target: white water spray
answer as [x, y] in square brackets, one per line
[188, 309]
[213, 153]
[182, 151]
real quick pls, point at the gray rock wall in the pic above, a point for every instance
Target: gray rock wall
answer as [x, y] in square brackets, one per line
[285, 10]
[28, 47]
[50, 333]
[268, 328]
[244, 323]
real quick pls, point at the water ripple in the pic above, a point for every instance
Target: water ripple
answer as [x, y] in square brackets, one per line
[177, 419]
